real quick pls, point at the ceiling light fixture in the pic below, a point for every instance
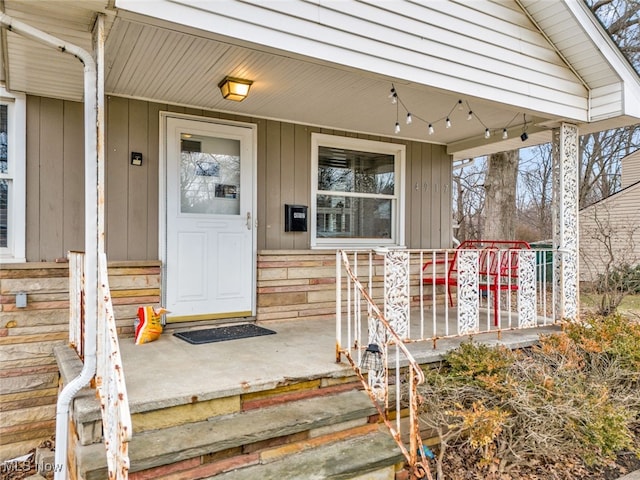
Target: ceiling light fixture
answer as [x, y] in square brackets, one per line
[235, 89]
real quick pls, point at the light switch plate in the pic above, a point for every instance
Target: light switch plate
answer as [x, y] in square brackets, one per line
[21, 300]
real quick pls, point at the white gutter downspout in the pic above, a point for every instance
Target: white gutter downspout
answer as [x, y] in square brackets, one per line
[91, 231]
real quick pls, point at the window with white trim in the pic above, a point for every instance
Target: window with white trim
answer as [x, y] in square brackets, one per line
[357, 192]
[12, 177]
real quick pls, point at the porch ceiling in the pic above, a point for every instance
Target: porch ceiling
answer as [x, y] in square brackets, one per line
[167, 63]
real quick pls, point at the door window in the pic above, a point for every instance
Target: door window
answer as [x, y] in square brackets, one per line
[209, 175]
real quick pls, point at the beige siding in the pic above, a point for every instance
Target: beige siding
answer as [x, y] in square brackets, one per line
[428, 205]
[630, 169]
[55, 181]
[55, 178]
[618, 217]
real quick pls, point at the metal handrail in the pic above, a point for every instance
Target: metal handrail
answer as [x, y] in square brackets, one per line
[379, 391]
[110, 383]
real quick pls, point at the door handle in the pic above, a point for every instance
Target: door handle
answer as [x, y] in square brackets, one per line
[248, 220]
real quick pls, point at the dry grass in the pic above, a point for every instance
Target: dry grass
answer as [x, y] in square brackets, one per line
[630, 304]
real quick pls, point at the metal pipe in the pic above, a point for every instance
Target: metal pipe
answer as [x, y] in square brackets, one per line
[91, 235]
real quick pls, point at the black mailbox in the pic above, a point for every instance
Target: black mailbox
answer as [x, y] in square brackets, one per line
[295, 218]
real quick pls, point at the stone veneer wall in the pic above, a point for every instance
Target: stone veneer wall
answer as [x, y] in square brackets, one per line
[29, 375]
[291, 284]
[296, 284]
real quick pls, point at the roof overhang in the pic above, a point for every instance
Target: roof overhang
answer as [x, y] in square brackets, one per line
[317, 64]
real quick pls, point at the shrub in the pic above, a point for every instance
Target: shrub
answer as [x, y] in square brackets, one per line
[575, 394]
[614, 335]
[625, 278]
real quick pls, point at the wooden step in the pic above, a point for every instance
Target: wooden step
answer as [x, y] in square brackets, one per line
[306, 423]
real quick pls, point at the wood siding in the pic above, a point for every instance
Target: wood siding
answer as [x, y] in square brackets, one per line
[55, 180]
[616, 216]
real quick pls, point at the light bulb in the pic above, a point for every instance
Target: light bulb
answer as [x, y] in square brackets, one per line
[505, 135]
[459, 104]
[448, 123]
[470, 115]
[431, 129]
[487, 133]
[397, 129]
[409, 119]
[393, 92]
[394, 98]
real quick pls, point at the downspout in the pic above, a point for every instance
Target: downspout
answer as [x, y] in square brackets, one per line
[91, 231]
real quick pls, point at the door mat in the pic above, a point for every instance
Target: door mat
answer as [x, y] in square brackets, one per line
[222, 334]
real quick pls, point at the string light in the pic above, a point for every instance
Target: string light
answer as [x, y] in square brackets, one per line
[447, 119]
[393, 95]
[524, 137]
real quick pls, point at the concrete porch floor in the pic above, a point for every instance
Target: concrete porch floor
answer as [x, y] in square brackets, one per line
[171, 371]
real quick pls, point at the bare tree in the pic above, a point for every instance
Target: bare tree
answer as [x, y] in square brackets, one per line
[500, 195]
[534, 195]
[468, 193]
[600, 165]
[621, 19]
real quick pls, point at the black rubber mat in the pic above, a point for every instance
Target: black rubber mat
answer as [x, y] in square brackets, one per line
[222, 334]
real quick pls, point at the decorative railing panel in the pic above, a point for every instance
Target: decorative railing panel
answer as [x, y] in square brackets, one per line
[396, 291]
[527, 292]
[468, 298]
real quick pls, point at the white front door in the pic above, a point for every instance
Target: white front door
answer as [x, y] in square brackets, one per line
[209, 236]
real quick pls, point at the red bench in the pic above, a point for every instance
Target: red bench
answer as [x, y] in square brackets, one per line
[497, 267]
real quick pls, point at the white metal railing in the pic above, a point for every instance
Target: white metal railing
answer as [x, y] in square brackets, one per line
[110, 383]
[421, 302]
[76, 303]
[424, 303]
[112, 391]
[383, 387]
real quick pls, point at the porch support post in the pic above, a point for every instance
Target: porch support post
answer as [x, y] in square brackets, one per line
[565, 242]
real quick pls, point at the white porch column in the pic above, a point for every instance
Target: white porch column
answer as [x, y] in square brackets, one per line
[565, 197]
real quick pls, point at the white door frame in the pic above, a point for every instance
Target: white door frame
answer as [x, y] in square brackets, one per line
[162, 196]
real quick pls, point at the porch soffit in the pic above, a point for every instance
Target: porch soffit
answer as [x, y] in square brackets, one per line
[152, 59]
